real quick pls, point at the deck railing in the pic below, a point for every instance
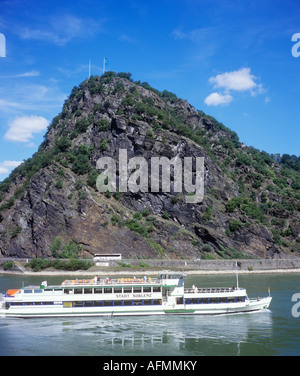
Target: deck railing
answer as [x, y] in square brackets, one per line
[211, 290]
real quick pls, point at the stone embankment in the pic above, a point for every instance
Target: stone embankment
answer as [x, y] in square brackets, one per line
[220, 266]
[150, 266]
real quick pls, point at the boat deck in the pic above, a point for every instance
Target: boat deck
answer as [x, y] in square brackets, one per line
[109, 281]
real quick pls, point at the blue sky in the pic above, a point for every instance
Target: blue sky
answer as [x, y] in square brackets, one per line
[231, 59]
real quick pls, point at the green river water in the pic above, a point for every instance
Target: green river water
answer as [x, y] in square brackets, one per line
[275, 331]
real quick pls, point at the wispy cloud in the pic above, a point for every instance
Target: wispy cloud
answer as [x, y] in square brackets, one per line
[30, 97]
[126, 38]
[61, 29]
[195, 35]
[32, 73]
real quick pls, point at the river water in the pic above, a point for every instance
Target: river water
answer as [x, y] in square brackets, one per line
[271, 332]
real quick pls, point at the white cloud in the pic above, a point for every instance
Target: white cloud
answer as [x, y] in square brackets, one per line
[23, 128]
[236, 81]
[6, 166]
[216, 99]
[240, 80]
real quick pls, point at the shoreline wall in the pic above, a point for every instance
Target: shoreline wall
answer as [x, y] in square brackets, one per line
[197, 265]
[217, 265]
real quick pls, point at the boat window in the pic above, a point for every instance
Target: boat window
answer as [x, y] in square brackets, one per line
[78, 304]
[27, 291]
[118, 302]
[88, 303]
[231, 300]
[98, 303]
[147, 302]
[156, 301]
[107, 290]
[66, 291]
[98, 290]
[127, 290]
[127, 302]
[137, 289]
[47, 303]
[77, 291]
[203, 300]
[88, 291]
[108, 303]
[213, 300]
[156, 289]
[179, 300]
[138, 302]
[147, 289]
[118, 290]
[39, 291]
[222, 300]
[240, 298]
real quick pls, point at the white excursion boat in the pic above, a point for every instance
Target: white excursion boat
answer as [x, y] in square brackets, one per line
[164, 295]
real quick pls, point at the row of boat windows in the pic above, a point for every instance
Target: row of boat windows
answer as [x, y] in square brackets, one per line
[233, 299]
[94, 303]
[114, 290]
[131, 302]
[102, 290]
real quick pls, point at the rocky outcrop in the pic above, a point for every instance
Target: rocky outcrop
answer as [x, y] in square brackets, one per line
[51, 204]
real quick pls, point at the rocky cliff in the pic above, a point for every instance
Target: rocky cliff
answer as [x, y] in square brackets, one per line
[50, 205]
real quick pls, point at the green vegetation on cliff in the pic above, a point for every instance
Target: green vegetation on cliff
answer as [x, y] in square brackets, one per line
[252, 199]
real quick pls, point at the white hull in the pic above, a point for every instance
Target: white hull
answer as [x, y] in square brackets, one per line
[197, 309]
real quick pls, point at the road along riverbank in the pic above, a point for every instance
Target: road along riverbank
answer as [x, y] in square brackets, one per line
[152, 266]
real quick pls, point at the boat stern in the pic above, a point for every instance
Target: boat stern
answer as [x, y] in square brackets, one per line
[2, 306]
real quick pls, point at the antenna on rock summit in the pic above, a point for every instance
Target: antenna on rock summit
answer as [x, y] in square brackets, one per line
[105, 62]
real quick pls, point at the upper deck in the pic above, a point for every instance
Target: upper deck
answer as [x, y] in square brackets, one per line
[110, 281]
[166, 278]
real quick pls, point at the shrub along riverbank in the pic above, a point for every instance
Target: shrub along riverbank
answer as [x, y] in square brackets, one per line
[39, 264]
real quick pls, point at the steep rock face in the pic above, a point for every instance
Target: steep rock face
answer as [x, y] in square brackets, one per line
[50, 203]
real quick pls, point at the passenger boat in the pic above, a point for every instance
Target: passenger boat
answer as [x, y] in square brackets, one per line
[164, 295]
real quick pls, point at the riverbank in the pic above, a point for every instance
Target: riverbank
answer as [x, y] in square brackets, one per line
[128, 272]
[154, 266]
